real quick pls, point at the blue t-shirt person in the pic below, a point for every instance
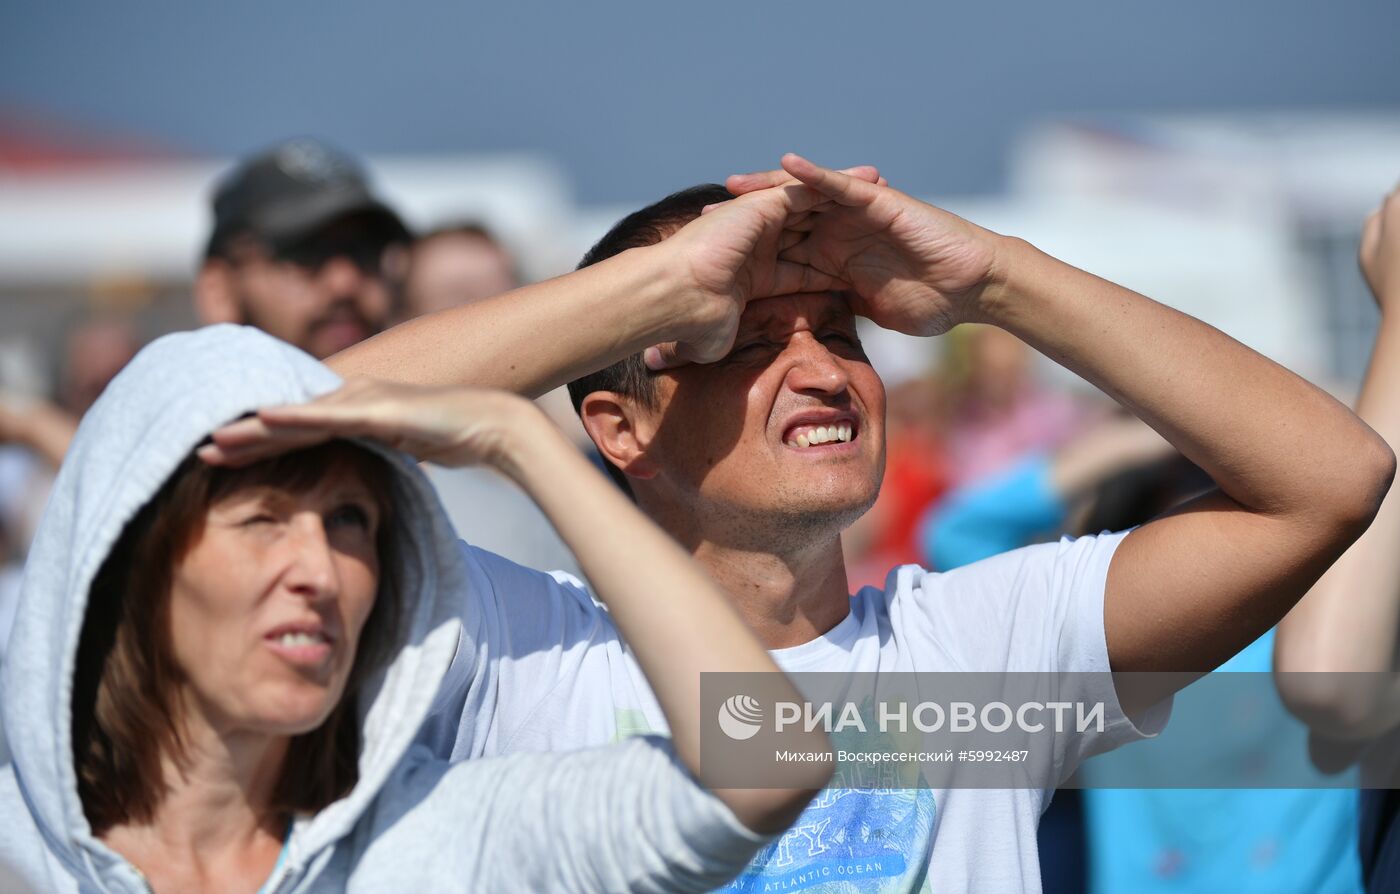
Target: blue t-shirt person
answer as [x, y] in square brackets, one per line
[1165, 841]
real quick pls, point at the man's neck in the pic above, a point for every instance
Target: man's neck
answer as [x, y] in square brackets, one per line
[786, 600]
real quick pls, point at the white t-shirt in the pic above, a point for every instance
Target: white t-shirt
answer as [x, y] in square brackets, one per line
[493, 514]
[550, 673]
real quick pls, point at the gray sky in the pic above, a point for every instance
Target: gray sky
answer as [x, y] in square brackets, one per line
[638, 98]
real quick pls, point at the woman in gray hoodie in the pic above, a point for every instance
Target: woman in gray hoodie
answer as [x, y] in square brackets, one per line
[224, 652]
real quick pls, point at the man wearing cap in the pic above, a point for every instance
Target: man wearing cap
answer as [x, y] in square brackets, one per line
[298, 249]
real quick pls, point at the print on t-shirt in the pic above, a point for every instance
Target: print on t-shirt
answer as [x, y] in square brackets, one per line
[872, 841]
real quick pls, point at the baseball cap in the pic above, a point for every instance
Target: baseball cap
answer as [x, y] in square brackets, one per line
[290, 191]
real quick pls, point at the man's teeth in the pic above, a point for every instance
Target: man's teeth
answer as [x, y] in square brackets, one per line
[821, 434]
[301, 639]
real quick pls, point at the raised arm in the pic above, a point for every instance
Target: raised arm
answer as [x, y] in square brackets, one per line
[1343, 635]
[674, 618]
[688, 290]
[1299, 476]
[38, 425]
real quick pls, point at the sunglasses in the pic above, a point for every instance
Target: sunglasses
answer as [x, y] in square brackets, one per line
[363, 246]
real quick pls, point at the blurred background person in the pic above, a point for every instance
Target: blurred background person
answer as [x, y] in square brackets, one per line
[916, 474]
[303, 249]
[1113, 476]
[998, 409]
[12, 552]
[96, 348]
[983, 408]
[461, 264]
[35, 430]
[1247, 840]
[1339, 648]
[456, 264]
[300, 249]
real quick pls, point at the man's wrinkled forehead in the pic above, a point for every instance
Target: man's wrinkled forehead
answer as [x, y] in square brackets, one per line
[783, 313]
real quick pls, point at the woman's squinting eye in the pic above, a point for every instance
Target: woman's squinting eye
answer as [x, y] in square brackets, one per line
[350, 514]
[258, 517]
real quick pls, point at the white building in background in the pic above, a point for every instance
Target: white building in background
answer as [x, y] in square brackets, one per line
[128, 235]
[1284, 193]
[1247, 221]
[151, 219]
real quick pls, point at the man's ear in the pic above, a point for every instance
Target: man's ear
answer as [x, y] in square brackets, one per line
[215, 298]
[621, 430]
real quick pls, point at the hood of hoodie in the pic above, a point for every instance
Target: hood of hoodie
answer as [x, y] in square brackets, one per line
[167, 400]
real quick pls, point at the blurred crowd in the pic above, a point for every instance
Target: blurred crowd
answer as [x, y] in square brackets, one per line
[303, 249]
[985, 454]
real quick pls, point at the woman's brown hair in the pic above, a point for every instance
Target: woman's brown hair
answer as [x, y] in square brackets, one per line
[125, 716]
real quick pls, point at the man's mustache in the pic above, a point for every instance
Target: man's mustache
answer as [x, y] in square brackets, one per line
[344, 313]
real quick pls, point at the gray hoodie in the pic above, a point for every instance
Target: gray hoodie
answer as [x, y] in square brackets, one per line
[626, 817]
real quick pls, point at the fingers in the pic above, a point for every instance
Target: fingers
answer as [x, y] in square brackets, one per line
[674, 354]
[277, 430]
[802, 201]
[331, 411]
[251, 440]
[799, 200]
[843, 188]
[789, 238]
[799, 252]
[789, 277]
[796, 221]
[739, 184]
[659, 357]
[712, 346]
[1379, 253]
[386, 414]
[859, 306]
[1370, 237]
[789, 202]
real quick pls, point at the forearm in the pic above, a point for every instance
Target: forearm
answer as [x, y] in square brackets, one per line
[1275, 444]
[532, 339]
[1111, 447]
[43, 428]
[1347, 624]
[1003, 511]
[674, 619]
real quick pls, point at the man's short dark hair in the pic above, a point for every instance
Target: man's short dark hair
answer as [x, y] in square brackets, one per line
[630, 376]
